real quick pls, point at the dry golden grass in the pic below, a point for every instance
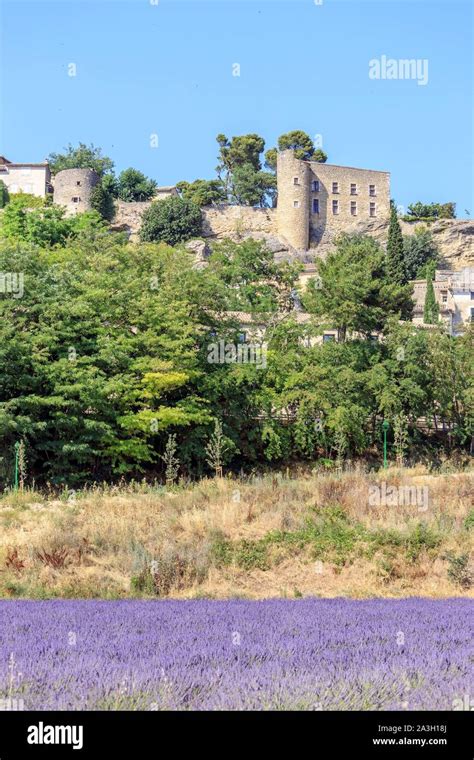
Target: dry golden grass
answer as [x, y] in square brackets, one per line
[139, 540]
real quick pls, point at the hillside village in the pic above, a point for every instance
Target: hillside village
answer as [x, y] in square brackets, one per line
[316, 203]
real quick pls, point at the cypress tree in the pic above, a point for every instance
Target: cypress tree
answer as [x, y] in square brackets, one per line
[431, 310]
[4, 197]
[395, 258]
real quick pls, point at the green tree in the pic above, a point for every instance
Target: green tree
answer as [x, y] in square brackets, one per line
[4, 196]
[82, 157]
[352, 291]
[239, 151]
[202, 192]
[133, 185]
[431, 211]
[431, 307]
[102, 201]
[172, 220]
[395, 257]
[419, 250]
[45, 225]
[298, 141]
[253, 188]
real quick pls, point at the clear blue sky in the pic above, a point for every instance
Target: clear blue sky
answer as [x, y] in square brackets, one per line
[167, 69]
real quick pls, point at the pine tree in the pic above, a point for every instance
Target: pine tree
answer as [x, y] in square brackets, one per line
[431, 310]
[395, 258]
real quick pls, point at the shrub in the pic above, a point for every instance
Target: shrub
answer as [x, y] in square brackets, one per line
[172, 220]
[459, 570]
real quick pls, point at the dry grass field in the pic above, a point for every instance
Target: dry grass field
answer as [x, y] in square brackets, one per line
[317, 534]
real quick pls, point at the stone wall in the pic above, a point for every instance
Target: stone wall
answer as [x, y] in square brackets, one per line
[345, 196]
[237, 221]
[217, 222]
[128, 215]
[454, 237]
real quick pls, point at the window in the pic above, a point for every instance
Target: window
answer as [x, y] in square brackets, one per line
[296, 204]
[335, 187]
[316, 186]
[75, 199]
[78, 183]
[472, 295]
[372, 191]
[372, 211]
[335, 207]
[296, 181]
[353, 208]
[353, 188]
[444, 296]
[315, 206]
[328, 337]
[472, 315]
[242, 337]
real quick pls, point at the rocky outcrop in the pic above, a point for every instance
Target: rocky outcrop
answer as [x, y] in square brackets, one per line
[454, 238]
[200, 250]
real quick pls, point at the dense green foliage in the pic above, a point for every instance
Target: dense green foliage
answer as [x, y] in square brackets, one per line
[82, 157]
[32, 219]
[202, 192]
[133, 185]
[419, 250]
[431, 211]
[354, 292]
[106, 355]
[301, 143]
[171, 220]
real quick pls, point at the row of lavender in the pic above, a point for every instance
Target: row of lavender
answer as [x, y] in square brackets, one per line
[309, 654]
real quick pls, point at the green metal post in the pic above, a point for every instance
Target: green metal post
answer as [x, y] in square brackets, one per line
[17, 449]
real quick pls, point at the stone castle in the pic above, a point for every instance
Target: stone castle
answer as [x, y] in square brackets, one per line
[316, 202]
[322, 200]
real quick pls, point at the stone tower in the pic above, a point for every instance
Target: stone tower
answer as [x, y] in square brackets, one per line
[73, 188]
[294, 199]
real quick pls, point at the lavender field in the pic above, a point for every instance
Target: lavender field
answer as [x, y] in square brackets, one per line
[309, 654]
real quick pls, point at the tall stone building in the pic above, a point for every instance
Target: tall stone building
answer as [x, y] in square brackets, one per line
[73, 189]
[317, 201]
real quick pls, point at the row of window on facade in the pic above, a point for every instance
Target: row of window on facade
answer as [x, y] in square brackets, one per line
[336, 207]
[316, 187]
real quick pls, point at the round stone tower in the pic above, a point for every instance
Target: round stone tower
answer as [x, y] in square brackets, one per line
[73, 188]
[294, 199]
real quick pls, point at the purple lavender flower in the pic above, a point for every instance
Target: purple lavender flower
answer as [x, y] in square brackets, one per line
[309, 654]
